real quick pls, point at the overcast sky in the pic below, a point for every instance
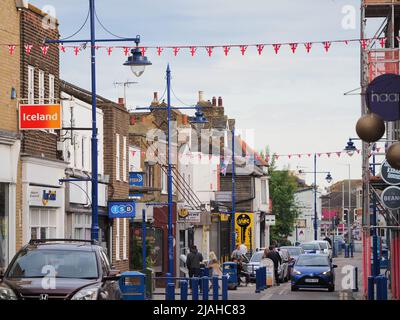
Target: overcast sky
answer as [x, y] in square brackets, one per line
[294, 102]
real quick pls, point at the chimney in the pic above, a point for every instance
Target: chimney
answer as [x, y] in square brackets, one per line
[121, 101]
[155, 98]
[219, 101]
[132, 120]
[201, 96]
[214, 101]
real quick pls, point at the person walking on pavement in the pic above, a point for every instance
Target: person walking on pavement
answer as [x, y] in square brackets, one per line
[236, 254]
[273, 255]
[214, 267]
[193, 261]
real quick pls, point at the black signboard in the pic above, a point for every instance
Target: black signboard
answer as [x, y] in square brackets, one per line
[390, 175]
[391, 197]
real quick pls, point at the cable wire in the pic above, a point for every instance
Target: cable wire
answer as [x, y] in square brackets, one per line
[105, 29]
[79, 30]
[186, 104]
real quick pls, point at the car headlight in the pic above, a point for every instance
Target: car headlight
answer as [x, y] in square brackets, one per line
[296, 271]
[326, 273]
[6, 293]
[88, 293]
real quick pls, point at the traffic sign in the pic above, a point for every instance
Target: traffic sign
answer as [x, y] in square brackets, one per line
[121, 209]
[391, 197]
[390, 175]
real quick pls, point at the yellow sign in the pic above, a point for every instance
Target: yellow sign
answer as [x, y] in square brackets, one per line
[183, 213]
[244, 226]
[224, 217]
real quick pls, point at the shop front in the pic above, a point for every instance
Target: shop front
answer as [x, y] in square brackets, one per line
[43, 204]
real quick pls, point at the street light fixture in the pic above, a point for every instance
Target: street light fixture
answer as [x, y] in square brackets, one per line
[350, 147]
[329, 177]
[137, 61]
[199, 120]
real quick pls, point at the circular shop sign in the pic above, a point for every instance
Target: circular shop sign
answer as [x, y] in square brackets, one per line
[390, 175]
[383, 96]
[391, 197]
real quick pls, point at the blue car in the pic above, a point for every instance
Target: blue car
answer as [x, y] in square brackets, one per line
[313, 271]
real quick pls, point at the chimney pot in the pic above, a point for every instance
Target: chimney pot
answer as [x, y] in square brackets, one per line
[155, 98]
[214, 101]
[219, 101]
[121, 101]
[201, 96]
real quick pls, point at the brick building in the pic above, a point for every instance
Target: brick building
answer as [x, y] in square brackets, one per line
[43, 211]
[10, 182]
[115, 233]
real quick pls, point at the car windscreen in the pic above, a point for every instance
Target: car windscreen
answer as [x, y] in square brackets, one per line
[257, 257]
[294, 251]
[310, 246]
[54, 263]
[312, 260]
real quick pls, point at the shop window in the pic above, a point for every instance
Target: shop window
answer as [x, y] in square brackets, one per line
[31, 85]
[43, 223]
[3, 225]
[81, 226]
[41, 87]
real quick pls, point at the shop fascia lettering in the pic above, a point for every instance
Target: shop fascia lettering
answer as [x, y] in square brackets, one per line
[40, 117]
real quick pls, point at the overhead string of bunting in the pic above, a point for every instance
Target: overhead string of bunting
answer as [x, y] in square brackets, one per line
[209, 49]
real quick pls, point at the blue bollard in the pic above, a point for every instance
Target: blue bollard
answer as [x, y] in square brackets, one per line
[264, 279]
[224, 287]
[170, 291]
[355, 279]
[184, 289]
[384, 292]
[261, 278]
[378, 280]
[204, 284]
[195, 288]
[258, 281]
[215, 287]
[169, 278]
[371, 293]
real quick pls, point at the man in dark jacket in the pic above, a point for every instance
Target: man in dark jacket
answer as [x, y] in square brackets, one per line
[276, 258]
[193, 261]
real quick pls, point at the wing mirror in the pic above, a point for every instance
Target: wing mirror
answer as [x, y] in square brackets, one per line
[113, 275]
[334, 266]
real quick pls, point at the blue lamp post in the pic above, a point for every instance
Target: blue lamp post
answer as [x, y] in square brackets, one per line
[137, 64]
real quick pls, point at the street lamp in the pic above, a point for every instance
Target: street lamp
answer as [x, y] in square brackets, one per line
[199, 120]
[350, 147]
[137, 64]
[137, 61]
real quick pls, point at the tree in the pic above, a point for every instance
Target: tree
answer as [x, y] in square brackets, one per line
[282, 190]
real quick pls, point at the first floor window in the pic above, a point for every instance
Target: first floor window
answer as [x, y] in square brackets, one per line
[43, 223]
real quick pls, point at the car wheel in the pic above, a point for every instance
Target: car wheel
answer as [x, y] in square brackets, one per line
[294, 288]
[331, 288]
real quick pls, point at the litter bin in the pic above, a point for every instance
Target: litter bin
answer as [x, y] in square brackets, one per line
[132, 285]
[230, 269]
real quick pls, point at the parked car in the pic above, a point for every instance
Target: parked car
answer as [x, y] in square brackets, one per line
[294, 253]
[60, 269]
[325, 247]
[313, 271]
[311, 247]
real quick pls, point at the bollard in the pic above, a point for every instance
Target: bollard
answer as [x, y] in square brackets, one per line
[258, 281]
[264, 280]
[169, 278]
[204, 284]
[184, 289]
[378, 287]
[371, 293]
[170, 291]
[355, 279]
[195, 288]
[215, 287]
[224, 287]
[384, 294]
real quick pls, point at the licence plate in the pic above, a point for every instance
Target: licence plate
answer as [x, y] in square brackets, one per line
[311, 280]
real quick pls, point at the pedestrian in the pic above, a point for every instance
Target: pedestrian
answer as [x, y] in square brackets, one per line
[329, 240]
[236, 254]
[193, 261]
[214, 267]
[273, 255]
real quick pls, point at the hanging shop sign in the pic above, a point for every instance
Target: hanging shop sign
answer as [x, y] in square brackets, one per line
[38, 116]
[383, 96]
[121, 209]
[390, 175]
[244, 225]
[185, 215]
[391, 197]
[136, 180]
